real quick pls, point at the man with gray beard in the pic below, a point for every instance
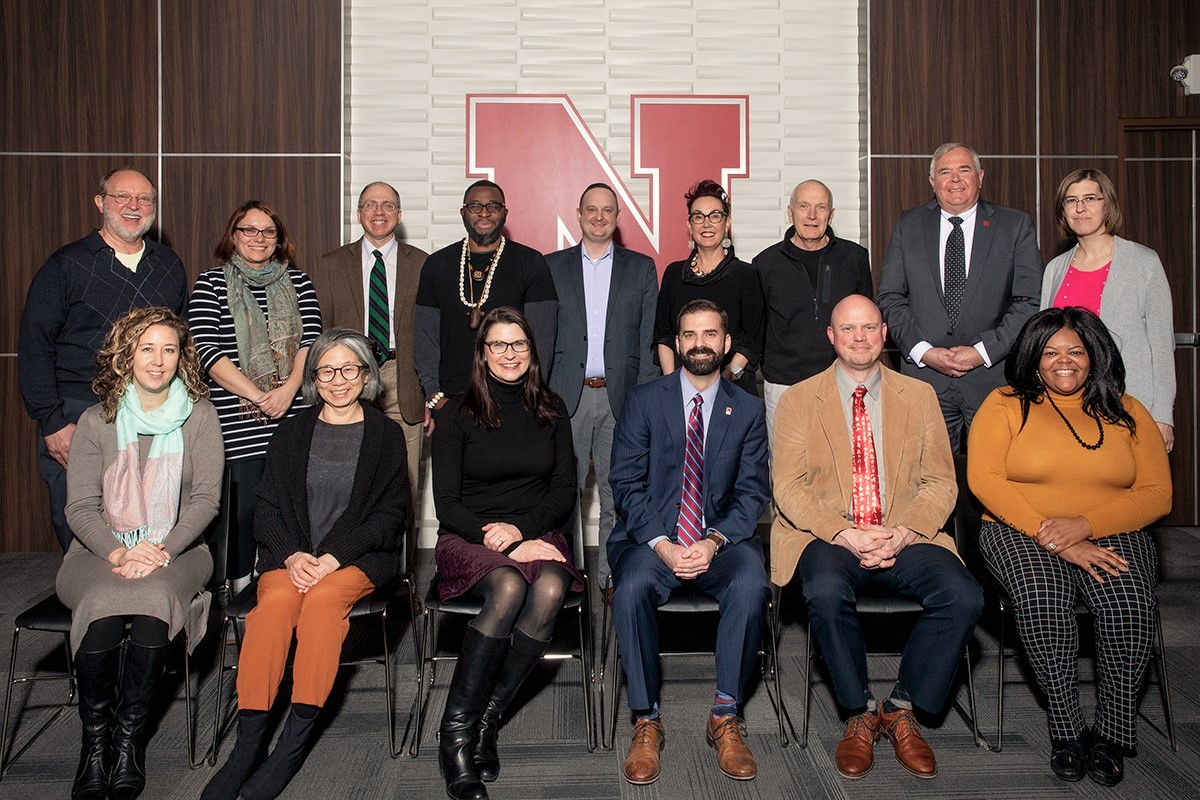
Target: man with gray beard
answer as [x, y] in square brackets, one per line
[72, 303]
[463, 281]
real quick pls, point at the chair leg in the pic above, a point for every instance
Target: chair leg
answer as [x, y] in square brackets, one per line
[1000, 682]
[979, 741]
[584, 616]
[1163, 680]
[777, 701]
[389, 697]
[218, 714]
[12, 670]
[806, 684]
[423, 688]
[192, 713]
[7, 762]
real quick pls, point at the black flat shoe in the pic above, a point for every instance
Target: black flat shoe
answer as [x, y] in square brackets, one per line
[1068, 760]
[1106, 764]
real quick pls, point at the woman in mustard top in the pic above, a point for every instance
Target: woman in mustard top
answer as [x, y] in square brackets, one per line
[1072, 470]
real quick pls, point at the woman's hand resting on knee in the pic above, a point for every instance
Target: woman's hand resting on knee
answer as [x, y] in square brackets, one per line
[536, 550]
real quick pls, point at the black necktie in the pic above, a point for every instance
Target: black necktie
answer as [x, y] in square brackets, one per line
[955, 280]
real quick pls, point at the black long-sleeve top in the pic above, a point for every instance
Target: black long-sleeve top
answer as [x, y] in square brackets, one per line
[519, 473]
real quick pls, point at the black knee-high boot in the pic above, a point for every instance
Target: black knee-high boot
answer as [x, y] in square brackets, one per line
[523, 656]
[270, 779]
[139, 678]
[248, 752]
[96, 674]
[475, 676]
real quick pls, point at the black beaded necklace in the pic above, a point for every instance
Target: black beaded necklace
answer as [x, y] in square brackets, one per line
[1071, 427]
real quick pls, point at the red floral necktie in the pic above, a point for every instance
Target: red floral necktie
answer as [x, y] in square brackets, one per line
[867, 508]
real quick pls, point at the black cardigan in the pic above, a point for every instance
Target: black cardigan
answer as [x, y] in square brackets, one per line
[370, 533]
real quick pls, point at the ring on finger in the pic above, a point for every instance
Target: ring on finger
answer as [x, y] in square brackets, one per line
[1051, 546]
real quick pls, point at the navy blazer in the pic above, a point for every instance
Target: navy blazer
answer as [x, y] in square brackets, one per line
[647, 464]
[1004, 286]
[628, 329]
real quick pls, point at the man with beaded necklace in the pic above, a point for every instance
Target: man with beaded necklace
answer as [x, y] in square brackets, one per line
[463, 281]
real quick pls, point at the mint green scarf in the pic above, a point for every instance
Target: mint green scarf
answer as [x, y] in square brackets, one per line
[144, 504]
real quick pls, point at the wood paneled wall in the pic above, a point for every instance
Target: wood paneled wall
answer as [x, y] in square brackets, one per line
[218, 101]
[1038, 88]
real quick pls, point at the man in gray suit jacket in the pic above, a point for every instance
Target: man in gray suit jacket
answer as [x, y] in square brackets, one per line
[343, 282]
[959, 279]
[606, 302]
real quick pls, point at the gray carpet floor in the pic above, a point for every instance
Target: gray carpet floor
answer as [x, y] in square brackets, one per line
[544, 745]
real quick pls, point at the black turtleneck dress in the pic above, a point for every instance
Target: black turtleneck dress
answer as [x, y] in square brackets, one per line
[520, 473]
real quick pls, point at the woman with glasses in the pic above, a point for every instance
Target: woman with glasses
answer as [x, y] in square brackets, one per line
[1123, 283]
[504, 486]
[713, 272]
[253, 317]
[330, 523]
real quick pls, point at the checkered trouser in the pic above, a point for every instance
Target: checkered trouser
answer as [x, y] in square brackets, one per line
[1044, 587]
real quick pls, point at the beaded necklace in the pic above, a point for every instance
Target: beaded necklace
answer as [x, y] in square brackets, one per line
[1071, 427]
[475, 314]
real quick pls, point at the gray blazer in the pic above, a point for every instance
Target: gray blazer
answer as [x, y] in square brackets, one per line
[1004, 285]
[1136, 307]
[628, 330]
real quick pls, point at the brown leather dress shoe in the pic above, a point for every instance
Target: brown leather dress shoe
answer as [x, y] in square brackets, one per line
[642, 760]
[855, 754]
[728, 736]
[912, 751]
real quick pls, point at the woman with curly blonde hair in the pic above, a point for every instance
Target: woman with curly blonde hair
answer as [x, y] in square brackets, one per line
[143, 482]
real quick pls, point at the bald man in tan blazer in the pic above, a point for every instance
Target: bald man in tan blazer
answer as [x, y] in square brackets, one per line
[838, 550]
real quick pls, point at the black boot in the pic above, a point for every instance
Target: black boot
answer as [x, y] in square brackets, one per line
[248, 752]
[139, 678]
[96, 674]
[523, 656]
[475, 676]
[270, 779]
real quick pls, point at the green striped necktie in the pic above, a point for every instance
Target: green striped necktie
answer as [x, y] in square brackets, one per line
[378, 319]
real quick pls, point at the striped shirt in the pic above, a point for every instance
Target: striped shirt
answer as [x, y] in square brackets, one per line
[212, 327]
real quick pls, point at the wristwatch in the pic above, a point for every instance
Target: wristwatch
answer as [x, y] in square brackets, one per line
[716, 537]
[737, 372]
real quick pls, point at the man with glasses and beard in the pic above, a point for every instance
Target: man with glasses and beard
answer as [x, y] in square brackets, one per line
[463, 281]
[72, 303]
[689, 480]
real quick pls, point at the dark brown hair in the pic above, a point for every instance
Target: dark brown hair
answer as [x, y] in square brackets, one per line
[707, 188]
[479, 401]
[285, 249]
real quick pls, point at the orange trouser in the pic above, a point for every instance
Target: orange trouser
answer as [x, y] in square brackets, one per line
[320, 619]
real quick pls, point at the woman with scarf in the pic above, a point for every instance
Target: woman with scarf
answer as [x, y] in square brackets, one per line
[144, 480]
[254, 317]
[713, 272]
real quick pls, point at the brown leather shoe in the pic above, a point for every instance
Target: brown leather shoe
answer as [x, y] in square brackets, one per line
[642, 760]
[912, 751]
[727, 734]
[855, 754]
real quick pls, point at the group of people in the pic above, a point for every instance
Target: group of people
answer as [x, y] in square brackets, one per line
[313, 395]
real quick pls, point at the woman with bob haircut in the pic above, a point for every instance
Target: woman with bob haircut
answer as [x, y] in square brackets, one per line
[1120, 281]
[504, 486]
[143, 482]
[713, 272]
[1071, 471]
[254, 317]
[330, 521]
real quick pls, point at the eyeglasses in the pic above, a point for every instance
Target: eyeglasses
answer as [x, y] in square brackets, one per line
[123, 198]
[349, 372]
[499, 348]
[715, 217]
[372, 205]
[254, 233]
[1088, 200]
[477, 208]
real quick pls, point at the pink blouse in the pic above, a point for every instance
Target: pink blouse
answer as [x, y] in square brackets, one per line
[1082, 288]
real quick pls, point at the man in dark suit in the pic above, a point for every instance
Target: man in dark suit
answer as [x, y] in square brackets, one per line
[864, 482]
[606, 300]
[345, 278]
[689, 477]
[959, 279]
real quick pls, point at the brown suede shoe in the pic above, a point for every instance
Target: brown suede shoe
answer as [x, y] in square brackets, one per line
[855, 754]
[641, 762]
[912, 751]
[727, 734]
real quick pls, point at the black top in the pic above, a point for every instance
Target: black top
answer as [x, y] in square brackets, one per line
[73, 301]
[795, 343]
[443, 344]
[331, 461]
[370, 532]
[520, 473]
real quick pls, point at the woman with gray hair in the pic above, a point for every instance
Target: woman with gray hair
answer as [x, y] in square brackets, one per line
[330, 524]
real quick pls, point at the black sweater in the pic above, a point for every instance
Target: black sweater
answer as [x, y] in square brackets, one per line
[370, 533]
[520, 473]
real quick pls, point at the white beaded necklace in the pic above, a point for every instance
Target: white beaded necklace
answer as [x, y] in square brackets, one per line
[475, 315]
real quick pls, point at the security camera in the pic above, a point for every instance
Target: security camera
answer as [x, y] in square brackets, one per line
[1188, 74]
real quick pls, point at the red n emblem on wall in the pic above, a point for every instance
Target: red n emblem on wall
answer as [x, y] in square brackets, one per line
[541, 151]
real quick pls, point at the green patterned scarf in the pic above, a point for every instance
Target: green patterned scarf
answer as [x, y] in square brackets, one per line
[266, 345]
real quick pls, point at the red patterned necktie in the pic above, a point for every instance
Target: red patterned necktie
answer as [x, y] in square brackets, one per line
[691, 505]
[867, 508]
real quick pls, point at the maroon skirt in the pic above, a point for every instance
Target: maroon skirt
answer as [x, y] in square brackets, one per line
[461, 564]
